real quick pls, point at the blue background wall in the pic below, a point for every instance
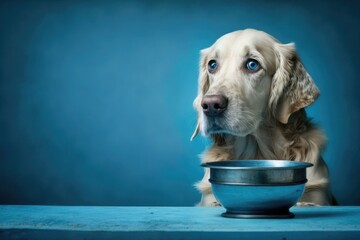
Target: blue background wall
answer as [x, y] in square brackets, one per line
[96, 96]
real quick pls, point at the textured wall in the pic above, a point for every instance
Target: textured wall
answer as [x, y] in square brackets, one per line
[96, 96]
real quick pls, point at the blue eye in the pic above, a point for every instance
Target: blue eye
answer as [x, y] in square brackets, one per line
[212, 66]
[252, 65]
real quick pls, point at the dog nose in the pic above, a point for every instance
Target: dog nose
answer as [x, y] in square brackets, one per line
[214, 105]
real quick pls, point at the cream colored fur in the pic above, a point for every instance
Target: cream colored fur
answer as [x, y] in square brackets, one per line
[265, 117]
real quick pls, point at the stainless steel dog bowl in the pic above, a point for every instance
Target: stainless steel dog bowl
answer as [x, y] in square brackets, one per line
[258, 188]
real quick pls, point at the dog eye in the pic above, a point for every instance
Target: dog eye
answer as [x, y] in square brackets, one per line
[252, 65]
[212, 66]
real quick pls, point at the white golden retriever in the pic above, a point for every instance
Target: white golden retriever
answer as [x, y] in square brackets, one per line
[251, 100]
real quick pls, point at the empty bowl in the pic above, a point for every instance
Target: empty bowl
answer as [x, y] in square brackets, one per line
[257, 188]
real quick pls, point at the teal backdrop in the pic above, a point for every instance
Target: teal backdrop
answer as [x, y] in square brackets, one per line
[96, 96]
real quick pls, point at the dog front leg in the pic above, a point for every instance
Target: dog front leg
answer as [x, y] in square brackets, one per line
[207, 199]
[316, 195]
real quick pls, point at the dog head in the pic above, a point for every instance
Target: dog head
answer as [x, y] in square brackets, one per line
[246, 77]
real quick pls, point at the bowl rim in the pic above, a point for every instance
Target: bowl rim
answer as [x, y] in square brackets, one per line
[293, 165]
[278, 184]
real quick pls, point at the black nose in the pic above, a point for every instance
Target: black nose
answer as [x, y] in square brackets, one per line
[214, 105]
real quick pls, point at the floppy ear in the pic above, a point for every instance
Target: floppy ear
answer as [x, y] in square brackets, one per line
[203, 88]
[292, 88]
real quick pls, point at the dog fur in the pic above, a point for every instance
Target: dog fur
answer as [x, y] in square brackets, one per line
[265, 117]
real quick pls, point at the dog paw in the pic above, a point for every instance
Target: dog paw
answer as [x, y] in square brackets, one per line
[215, 204]
[306, 204]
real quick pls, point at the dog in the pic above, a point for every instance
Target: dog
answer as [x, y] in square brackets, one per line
[251, 99]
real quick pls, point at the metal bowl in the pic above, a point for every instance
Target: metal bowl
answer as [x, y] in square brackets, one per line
[258, 188]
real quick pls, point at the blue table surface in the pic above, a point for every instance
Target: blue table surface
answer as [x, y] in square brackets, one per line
[61, 222]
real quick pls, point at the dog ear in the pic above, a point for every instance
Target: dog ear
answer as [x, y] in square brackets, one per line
[292, 88]
[203, 87]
